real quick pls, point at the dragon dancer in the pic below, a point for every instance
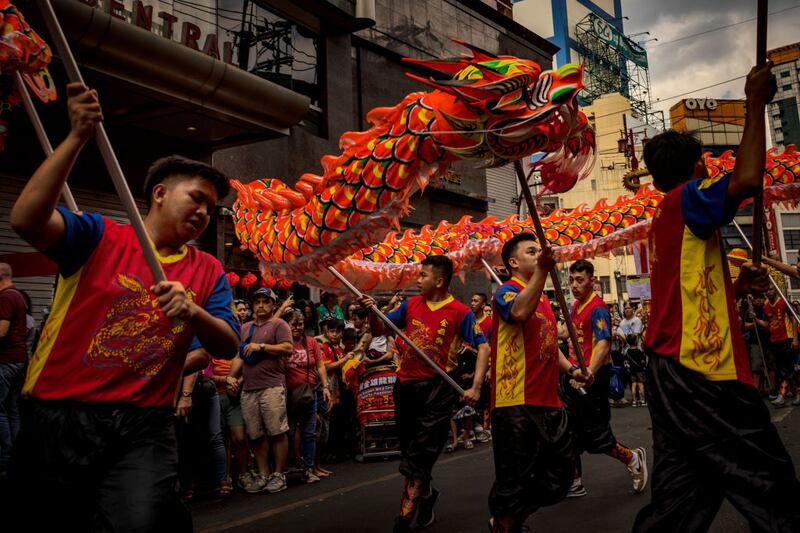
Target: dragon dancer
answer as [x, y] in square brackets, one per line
[97, 441]
[712, 434]
[424, 403]
[589, 413]
[533, 451]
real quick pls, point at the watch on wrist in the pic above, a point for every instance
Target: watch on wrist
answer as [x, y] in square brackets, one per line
[572, 370]
[186, 394]
[262, 347]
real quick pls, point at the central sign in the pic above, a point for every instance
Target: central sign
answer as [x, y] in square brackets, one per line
[191, 35]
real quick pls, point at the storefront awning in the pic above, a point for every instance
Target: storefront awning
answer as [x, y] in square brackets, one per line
[241, 106]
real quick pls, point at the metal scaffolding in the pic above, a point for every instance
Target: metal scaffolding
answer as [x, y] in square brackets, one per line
[615, 64]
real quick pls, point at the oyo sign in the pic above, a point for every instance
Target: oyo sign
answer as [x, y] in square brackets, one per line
[701, 104]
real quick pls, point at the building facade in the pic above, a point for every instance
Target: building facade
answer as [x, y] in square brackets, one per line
[718, 124]
[784, 111]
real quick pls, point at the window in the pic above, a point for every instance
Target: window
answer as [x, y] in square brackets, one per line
[791, 238]
[594, 185]
[791, 241]
[785, 74]
[605, 283]
[787, 87]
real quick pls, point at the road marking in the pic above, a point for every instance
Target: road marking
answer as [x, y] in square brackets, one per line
[783, 413]
[324, 496]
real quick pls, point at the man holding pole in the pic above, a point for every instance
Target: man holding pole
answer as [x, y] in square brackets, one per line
[97, 441]
[589, 412]
[424, 402]
[533, 450]
[712, 434]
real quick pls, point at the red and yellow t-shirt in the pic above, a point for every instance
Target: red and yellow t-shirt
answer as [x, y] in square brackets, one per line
[693, 315]
[106, 339]
[439, 329]
[592, 321]
[524, 356]
[485, 323]
[781, 327]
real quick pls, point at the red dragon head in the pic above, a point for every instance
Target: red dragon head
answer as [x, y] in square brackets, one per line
[503, 108]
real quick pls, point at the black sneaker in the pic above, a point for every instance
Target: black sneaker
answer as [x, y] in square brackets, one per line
[425, 516]
[401, 525]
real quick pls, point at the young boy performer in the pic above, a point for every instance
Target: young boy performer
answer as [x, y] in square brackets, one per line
[97, 441]
[533, 453]
[712, 435]
[424, 402]
[590, 415]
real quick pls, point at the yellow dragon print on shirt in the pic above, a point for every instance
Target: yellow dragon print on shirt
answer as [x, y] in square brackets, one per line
[130, 335]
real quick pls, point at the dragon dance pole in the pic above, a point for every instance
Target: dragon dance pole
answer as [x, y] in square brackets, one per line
[42, 135]
[562, 302]
[758, 201]
[104, 144]
[789, 306]
[491, 272]
[422, 355]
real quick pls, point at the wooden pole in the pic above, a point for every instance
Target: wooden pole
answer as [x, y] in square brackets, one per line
[104, 144]
[758, 201]
[562, 301]
[491, 272]
[422, 355]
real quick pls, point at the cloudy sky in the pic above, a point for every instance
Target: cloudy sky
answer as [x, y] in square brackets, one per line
[679, 65]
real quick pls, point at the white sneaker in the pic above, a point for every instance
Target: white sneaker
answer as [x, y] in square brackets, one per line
[258, 483]
[276, 483]
[310, 477]
[638, 470]
[779, 401]
[576, 490]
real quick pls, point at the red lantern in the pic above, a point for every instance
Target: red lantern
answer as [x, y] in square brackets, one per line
[233, 278]
[284, 284]
[248, 280]
[268, 282]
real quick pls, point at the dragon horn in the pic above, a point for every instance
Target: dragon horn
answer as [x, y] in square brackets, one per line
[431, 82]
[478, 54]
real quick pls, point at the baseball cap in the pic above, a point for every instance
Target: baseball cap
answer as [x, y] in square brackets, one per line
[263, 291]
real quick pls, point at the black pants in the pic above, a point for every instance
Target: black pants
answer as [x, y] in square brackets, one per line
[96, 467]
[783, 355]
[422, 411]
[589, 414]
[534, 461]
[714, 440]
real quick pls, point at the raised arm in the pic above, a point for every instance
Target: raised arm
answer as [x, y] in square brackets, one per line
[528, 299]
[34, 216]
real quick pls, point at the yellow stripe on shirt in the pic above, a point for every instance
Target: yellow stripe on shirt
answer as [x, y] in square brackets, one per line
[706, 343]
[65, 291]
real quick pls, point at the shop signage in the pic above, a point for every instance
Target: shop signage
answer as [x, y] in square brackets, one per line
[701, 104]
[172, 28]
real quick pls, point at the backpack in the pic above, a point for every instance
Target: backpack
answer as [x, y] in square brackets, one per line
[616, 385]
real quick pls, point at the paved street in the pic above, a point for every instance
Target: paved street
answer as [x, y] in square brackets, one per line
[365, 497]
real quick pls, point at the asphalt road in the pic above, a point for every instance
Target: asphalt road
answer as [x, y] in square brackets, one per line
[365, 497]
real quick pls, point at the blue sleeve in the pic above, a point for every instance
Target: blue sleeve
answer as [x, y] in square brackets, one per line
[706, 206]
[398, 316]
[601, 324]
[504, 300]
[471, 331]
[218, 305]
[81, 236]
